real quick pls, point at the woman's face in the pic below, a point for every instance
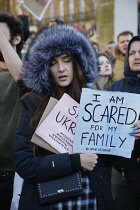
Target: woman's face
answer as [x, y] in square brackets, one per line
[61, 68]
[105, 66]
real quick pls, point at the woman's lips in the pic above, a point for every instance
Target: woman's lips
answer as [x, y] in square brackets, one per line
[62, 77]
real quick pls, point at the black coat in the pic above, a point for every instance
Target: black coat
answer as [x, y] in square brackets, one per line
[39, 169]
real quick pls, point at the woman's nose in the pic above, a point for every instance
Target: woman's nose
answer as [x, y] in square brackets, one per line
[61, 67]
[106, 64]
[137, 56]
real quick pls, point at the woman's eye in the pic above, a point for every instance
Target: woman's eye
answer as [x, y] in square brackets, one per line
[53, 62]
[131, 53]
[67, 59]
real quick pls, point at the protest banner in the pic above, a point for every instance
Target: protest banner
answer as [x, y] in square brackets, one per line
[36, 7]
[37, 139]
[104, 121]
[58, 129]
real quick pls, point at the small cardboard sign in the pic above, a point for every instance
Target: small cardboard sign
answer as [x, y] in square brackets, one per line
[58, 128]
[37, 7]
[37, 139]
[104, 121]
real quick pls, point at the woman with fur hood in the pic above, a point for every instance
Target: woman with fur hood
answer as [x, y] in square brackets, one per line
[60, 60]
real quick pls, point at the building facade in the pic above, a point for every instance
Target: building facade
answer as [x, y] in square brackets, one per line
[107, 17]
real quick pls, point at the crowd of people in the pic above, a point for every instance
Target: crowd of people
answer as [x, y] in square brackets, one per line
[58, 59]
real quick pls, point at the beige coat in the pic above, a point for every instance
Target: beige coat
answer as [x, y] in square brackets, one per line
[119, 67]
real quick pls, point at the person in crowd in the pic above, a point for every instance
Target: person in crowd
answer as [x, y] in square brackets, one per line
[55, 65]
[55, 22]
[126, 174]
[23, 17]
[26, 31]
[110, 51]
[105, 75]
[96, 46]
[27, 43]
[122, 42]
[79, 27]
[52, 23]
[11, 41]
[31, 37]
[24, 50]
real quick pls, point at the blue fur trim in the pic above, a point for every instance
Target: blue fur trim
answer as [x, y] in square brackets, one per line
[53, 42]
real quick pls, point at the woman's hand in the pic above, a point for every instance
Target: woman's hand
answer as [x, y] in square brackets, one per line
[136, 130]
[88, 161]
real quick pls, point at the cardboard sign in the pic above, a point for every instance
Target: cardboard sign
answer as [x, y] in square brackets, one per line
[36, 7]
[58, 129]
[104, 121]
[37, 139]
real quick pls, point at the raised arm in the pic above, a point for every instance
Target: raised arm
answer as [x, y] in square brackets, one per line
[11, 59]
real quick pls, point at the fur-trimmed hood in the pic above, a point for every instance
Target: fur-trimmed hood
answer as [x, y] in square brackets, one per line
[53, 42]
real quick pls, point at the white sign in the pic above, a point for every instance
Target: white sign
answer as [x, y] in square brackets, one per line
[104, 121]
[37, 7]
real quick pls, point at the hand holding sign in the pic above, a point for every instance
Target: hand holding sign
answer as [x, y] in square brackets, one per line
[136, 130]
[88, 161]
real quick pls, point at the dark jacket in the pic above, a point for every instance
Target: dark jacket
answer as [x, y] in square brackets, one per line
[10, 92]
[131, 84]
[24, 18]
[39, 169]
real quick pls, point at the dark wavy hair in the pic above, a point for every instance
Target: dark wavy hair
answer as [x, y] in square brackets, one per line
[15, 26]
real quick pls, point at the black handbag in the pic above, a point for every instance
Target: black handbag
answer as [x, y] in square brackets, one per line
[63, 188]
